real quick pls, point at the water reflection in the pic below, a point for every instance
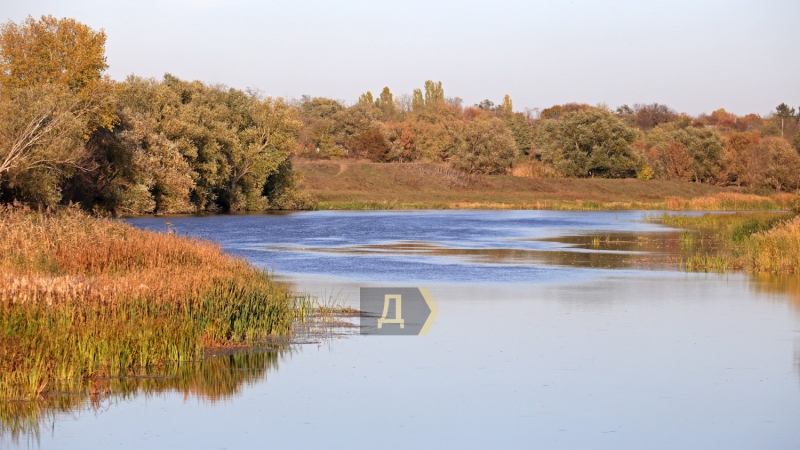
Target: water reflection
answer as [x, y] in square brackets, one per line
[787, 286]
[608, 250]
[563, 345]
[217, 378]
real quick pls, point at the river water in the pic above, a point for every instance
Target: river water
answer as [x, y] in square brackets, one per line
[555, 330]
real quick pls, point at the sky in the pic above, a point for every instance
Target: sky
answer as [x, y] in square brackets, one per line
[695, 56]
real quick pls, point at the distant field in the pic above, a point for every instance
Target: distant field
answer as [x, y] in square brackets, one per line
[366, 185]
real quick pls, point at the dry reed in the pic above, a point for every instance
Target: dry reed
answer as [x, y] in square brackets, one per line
[729, 201]
[82, 297]
[757, 242]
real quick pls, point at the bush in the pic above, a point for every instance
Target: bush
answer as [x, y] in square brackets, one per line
[483, 146]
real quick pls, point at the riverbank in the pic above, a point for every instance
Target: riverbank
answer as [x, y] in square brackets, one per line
[83, 298]
[753, 242]
[361, 185]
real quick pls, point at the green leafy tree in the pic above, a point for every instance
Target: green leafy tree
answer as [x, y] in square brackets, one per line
[319, 132]
[705, 147]
[482, 146]
[522, 131]
[193, 147]
[486, 105]
[264, 141]
[796, 142]
[784, 112]
[588, 143]
[432, 141]
[625, 110]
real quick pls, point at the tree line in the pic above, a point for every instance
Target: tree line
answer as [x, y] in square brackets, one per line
[572, 140]
[68, 133]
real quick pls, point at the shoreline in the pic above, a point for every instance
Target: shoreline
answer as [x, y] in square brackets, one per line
[361, 185]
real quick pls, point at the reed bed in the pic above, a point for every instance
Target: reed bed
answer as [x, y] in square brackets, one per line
[83, 298]
[729, 201]
[776, 250]
[756, 242]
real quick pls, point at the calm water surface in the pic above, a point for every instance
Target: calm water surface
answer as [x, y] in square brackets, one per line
[556, 330]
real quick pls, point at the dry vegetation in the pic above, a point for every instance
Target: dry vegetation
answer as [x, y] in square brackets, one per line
[82, 298]
[755, 242]
[367, 185]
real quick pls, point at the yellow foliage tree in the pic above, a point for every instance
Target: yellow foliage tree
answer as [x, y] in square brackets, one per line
[50, 50]
[53, 95]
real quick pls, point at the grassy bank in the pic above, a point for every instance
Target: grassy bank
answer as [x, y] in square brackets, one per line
[360, 185]
[754, 242]
[83, 298]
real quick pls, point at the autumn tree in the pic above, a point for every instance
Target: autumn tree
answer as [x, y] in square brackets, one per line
[651, 115]
[53, 95]
[744, 166]
[555, 111]
[319, 133]
[507, 107]
[417, 101]
[371, 144]
[782, 164]
[385, 102]
[402, 142]
[434, 93]
[366, 98]
[705, 148]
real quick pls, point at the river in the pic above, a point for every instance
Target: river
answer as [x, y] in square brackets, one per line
[555, 330]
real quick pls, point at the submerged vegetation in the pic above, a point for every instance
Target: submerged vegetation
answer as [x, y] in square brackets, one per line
[755, 242]
[83, 298]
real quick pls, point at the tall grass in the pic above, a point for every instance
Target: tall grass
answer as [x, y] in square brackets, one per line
[757, 242]
[729, 201]
[82, 298]
[776, 250]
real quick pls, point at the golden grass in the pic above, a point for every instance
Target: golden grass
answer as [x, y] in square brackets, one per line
[729, 201]
[82, 297]
[776, 250]
[756, 242]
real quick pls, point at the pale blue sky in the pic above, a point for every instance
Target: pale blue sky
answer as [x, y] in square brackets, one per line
[695, 56]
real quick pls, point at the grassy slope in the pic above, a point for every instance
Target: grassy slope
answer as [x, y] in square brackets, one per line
[364, 185]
